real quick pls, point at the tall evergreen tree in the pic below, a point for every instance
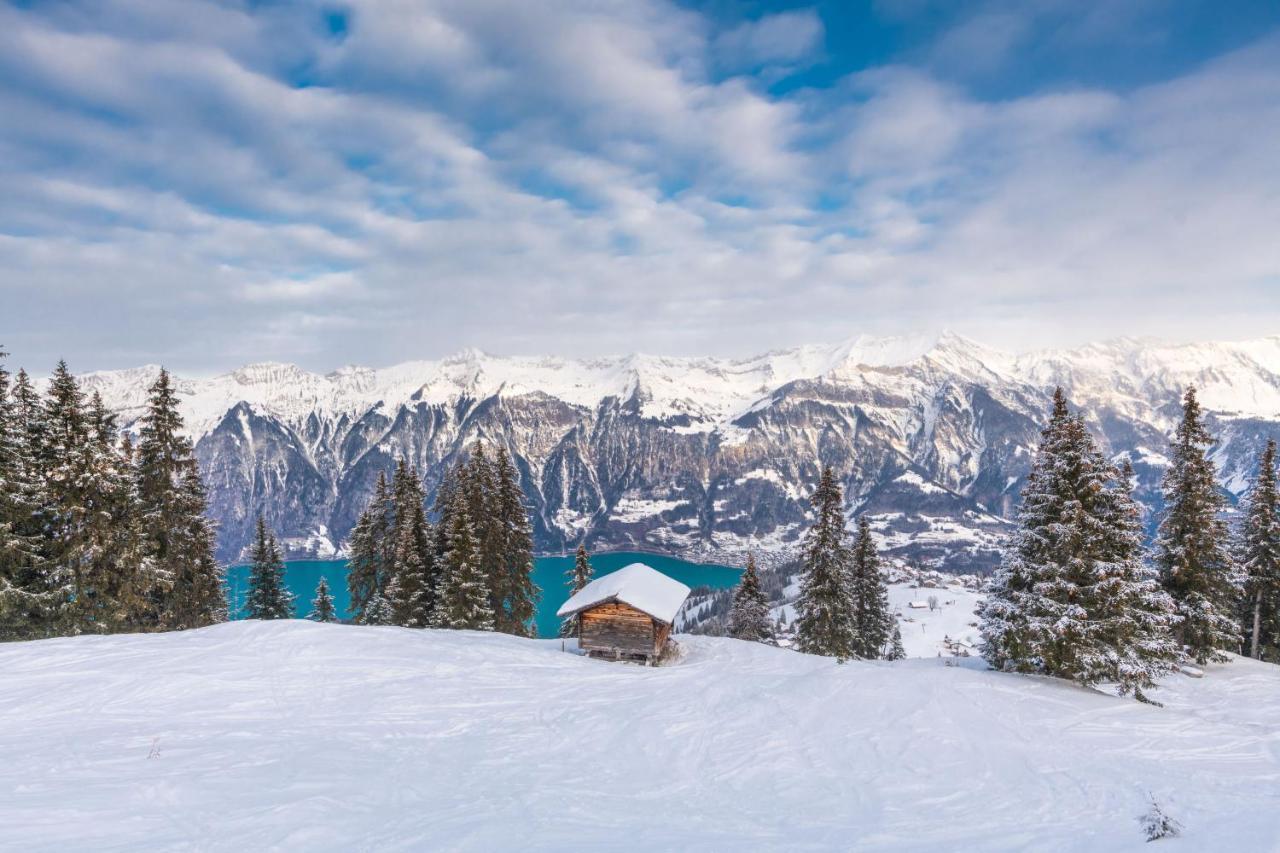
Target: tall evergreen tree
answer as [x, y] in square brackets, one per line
[440, 507]
[1260, 558]
[1014, 614]
[30, 414]
[26, 594]
[410, 591]
[177, 537]
[1134, 618]
[269, 596]
[1191, 549]
[579, 575]
[116, 578]
[749, 613]
[873, 620]
[1072, 598]
[411, 588]
[62, 460]
[475, 479]
[825, 622]
[463, 598]
[322, 608]
[520, 595]
[368, 568]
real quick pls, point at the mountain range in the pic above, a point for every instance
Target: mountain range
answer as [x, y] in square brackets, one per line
[709, 457]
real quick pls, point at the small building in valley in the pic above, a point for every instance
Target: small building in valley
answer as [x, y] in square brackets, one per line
[629, 613]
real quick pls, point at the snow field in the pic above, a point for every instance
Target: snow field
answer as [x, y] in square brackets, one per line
[293, 735]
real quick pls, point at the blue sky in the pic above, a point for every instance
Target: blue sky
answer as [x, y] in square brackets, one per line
[207, 184]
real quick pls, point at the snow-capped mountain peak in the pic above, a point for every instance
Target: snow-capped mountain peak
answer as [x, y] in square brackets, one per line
[712, 454]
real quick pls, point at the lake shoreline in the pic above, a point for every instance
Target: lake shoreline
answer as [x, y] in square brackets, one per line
[550, 574]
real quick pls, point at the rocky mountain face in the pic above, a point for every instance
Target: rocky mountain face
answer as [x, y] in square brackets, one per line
[708, 458]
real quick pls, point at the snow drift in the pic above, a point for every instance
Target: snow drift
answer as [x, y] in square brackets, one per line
[292, 735]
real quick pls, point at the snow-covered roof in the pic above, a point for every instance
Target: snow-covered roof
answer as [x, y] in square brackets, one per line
[647, 590]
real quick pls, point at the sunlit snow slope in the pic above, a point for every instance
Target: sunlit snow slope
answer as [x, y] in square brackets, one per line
[255, 736]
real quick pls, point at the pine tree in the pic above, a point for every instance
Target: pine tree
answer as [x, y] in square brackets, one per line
[872, 617]
[476, 480]
[1134, 619]
[409, 593]
[368, 569]
[463, 597]
[177, 536]
[116, 575]
[322, 609]
[1260, 559]
[825, 619]
[579, 576]
[377, 611]
[26, 596]
[1014, 613]
[269, 597]
[749, 613]
[520, 595]
[62, 460]
[1191, 548]
[411, 572]
[440, 508]
[1072, 598]
[896, 651]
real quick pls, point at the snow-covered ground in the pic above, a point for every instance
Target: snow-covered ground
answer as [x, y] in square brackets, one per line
[292, 735]
[949, 628]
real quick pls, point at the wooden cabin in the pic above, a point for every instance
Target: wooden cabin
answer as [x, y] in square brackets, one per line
[628, 614]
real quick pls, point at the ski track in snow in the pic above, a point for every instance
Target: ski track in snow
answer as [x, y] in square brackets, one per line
[292, 735]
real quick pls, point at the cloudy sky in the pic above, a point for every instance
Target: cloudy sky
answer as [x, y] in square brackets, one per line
[206, 184]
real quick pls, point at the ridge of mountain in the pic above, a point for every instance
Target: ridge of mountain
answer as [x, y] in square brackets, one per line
[704, 456]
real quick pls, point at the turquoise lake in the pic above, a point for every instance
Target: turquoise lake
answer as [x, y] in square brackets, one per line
[548, 572]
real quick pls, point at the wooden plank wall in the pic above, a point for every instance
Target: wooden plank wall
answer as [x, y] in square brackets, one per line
[616, 626]
[661, 632]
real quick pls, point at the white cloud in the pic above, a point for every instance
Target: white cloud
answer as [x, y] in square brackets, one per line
[788, 37]
[579, 177]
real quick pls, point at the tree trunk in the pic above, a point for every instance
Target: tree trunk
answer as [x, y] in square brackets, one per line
[1254, 651]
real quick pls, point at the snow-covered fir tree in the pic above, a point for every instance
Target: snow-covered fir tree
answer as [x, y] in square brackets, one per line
[62, 460]
[368, 568]
[1260, 560]
[322, 607]
[477, 485]
[896, 650]
[410, 591]
[1192, 553]
[488, 486]
[28, 596]
[171, 500]
[269, 597]
[749, 613]
[93, 538]
[411, 588]
[1134, 618]
[579, 575]
[1072, 598]
[825, 622]
[377, 611]
[520, 595]
[462, 600]
[116, 575]
[873, 620]
[1013, 614]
